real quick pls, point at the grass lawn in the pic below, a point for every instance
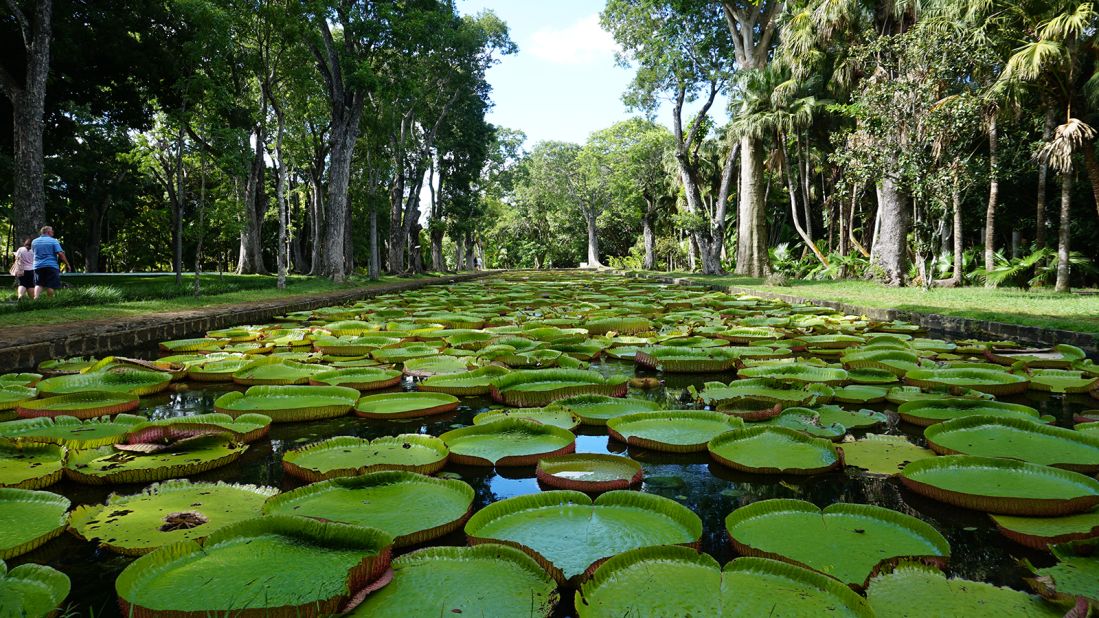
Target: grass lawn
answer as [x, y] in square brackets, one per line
[92, 297]
[1075, 312]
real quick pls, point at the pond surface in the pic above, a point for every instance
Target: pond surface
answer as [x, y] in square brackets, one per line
[712, 491]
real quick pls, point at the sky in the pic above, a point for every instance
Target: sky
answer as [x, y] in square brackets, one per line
[564, 83]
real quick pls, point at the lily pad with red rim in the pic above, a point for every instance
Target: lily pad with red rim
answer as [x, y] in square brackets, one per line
[1041, 532]
[1016, 438]
[71, 432]
[30, 466]
[287, 404]
[348, 456]
[558, 417]
[882, 454]
[774, 450]
[507, 442]
[673, 431]
[405, 405]
[598, 409]
[926, 412]
[913, 590]
[540, 387]
[32, 590]
[107, 465]
[590, 472]
[31, 519]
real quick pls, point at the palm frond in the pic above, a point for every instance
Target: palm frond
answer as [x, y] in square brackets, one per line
[1073, 24]
[1068, 139]
[1030, 61]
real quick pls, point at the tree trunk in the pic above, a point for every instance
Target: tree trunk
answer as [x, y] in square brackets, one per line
[890, 242]
[251, 255]
[993, 194]
[470, 250]
[791, 189]
[177, 259]
[460, 252]
[316, 222]
[375, 266]
[1092, 167]
[396, 226]
[593, 239]
[342, 146]
[437, 263]
[751, 242]
[28, 101]
[956, 202]
[1063, 235]
[1043, 173]
[650, 241]
[280, 197]
[200, 228]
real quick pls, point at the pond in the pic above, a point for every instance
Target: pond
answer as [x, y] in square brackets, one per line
[657, 314]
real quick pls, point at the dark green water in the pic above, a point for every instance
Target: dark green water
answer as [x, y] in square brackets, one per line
[979, 552]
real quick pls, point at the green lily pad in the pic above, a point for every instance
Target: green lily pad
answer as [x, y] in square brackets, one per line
[878, 454]
[558, 417]
[405, 405]
[435, 365]
[686, 359]
[925, 412]
[484, 580]
[275, 371]
[806, 421]
[598, 409]
[992, 381]
[1002, 486]
[358, 378]
[467, 383]
[62, 366]
[896, 362]
[1076, 574]
[166, 513]
[1062, 381]
[774, 450]
[217, 370]
[404, 352]
[567, 532]
[846, 541]
[797, 372]
[80, 405]
[914, 590]
[693, 584]
[31, 519]
[11, 395]
[288, 404]
[200, 344]
[246, 428]
[347, 456]
[137, 382]
[1015, 438]
[674, 431]
[768, 390]
[263, 566]
[106, 465]
[1041, 532]
[859, 393]
[507, 442]
[410, 507]
[71, 432]
[26, 380]
[30, 466]
[31, 591]
[540, 387]
[591, 472]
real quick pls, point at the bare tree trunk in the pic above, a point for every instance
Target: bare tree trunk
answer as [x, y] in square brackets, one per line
[751, 252]
[342, 138]
[993, 194]
[375, 267]
[1063, 234]
[177, 258]
[437, 263]
[200, 228]
[890, 242]
[255, 198]
[791, 189]
[1092, 168]
[593, 238]
[469, 251]
[316, 222]
[1043, 173]
[460, 252]
[647, 233]
[280, 196]
[692, 252]
[956, 202]
[28, 101]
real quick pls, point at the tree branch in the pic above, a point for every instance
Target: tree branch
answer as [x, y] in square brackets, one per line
[24, 25]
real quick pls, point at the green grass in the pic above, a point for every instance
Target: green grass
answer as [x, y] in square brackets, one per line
[1075, 312]
[94, 297]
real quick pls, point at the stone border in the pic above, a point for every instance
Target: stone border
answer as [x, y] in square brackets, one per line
[22, 348]
[951, 326]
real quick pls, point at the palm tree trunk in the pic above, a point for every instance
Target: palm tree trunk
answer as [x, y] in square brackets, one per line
[792, 190]
[956, 201]
[1092, 167]
[1063, 232]
[1043, 172]
[993, 194]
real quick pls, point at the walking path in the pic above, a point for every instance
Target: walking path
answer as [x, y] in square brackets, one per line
[22, 348]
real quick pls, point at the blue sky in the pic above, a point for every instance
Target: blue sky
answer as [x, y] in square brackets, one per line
[564, 83]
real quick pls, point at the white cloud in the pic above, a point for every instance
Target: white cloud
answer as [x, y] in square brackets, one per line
[578, 43]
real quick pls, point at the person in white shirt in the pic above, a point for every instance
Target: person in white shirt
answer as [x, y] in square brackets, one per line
[23, 269]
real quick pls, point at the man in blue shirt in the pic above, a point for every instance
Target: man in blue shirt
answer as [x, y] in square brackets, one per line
[47, 271]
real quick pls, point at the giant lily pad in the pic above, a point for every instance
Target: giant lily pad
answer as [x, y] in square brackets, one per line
[671, 359]
[558, 417]
[925, 412]
[217, 370]
[410, 507]
[71, 432]
[568, 533]
[774, 450]
[275, 371]
[358, 378]
[1041, 532]
[693, 584]
[31, 591]
[66, 366]
[507, 442]
[272, 565]
[1001, 486]
[592, 472]
[286, 404]
[539, 387]
[674, 431]
[1062, 381]
[347, 456]
[246, 428]
[598, 409]
[11, 395]
[914, 590]
[106, 465]
[760, 393]
[30, 466]
[798, 372]
[80, 405]
[878, 454]
[468, 383]
[165, 513]
[405, 405]
[31, 518]
[427, 366]
[807, 421]
[137, 382]
[1016, 439]
[1075, 576]
[847, 541]
[992, 381]
[485, 580]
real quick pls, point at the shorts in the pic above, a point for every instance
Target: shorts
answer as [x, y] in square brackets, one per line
[48, 277]
[26, 279]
